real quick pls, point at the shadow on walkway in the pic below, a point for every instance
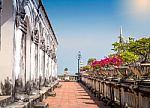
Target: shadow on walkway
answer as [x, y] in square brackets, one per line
[73, 95]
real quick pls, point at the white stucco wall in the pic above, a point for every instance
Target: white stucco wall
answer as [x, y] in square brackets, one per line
[19, 55]
[7, 35]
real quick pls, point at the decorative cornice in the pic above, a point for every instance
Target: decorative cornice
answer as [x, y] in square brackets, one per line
[46, 48]
[55, 60]
[21, 24]
[42, 43]
[49, 51]
[20, 15]
[25, 2]
[53, 55]
[36, 36]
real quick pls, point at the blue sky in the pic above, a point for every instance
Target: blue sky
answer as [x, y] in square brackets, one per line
[91, 26]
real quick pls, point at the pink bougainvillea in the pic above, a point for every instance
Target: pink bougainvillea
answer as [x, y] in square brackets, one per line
[116, 60]
[108, 61]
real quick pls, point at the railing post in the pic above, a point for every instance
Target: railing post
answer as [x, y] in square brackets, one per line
[98, 88]
[120, 96]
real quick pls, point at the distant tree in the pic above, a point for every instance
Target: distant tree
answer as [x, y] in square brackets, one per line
[90, 60]
[140, 47]
[128, 57]
[66, 69]
[119, 47]
[111, 55]
[131, 39]
[132, 50]
[86, 68]
[122, 47]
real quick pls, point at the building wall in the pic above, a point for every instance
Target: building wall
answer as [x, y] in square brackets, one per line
[28, 50]
[6, 51]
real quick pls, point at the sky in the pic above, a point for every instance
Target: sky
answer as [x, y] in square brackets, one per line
[91, 26]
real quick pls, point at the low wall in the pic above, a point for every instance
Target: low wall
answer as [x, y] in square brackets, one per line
[122, 94]
[71, 78]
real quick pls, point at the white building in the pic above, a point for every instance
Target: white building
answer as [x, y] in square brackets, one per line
[28, 46]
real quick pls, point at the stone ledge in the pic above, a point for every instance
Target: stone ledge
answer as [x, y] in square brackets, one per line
[18, 105]
[33, 99]
[5, 100]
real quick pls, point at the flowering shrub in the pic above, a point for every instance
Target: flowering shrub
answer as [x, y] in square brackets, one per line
[107, 62]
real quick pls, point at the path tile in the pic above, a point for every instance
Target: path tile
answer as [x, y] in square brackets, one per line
[73, 95]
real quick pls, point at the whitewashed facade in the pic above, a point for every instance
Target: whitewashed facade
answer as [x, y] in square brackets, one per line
[28, 47]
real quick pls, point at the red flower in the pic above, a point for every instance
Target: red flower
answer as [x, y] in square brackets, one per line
[115, 60]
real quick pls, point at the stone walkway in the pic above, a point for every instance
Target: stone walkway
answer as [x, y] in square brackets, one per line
[73, 95]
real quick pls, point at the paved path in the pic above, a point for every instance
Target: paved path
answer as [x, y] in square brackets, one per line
[73, 95]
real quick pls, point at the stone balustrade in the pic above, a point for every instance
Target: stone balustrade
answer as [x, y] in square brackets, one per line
[125, 94]
[71, 78]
